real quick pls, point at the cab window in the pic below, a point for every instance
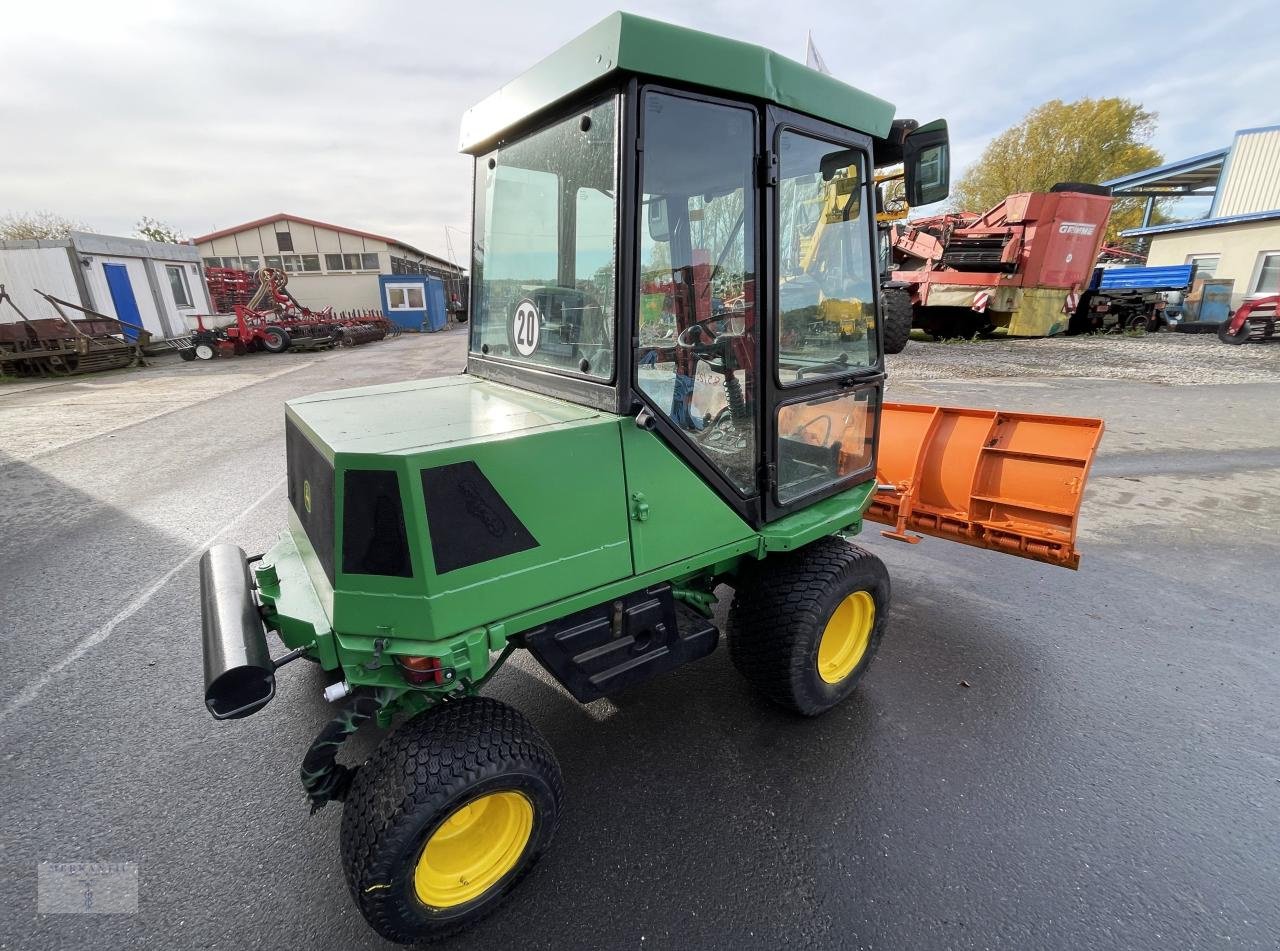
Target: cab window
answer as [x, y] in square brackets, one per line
[826, 299]
[696, 353]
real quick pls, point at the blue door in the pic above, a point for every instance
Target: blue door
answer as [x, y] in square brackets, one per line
[122, 297]
[1215, 300]
[437, 315]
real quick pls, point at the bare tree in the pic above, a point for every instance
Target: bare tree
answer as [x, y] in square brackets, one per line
[37, 226]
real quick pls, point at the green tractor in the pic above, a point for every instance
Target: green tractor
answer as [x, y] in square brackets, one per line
[673, 383]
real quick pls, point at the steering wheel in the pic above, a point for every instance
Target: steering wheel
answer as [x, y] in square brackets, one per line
[697, 345]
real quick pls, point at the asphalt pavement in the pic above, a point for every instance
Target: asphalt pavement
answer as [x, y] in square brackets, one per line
[1038, 758]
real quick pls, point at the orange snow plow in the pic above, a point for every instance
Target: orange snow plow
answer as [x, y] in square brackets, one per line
[1011, 482]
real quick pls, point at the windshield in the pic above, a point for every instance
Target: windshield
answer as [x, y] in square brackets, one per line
[543, 261]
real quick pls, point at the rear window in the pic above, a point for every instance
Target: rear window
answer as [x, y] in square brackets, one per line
[545, 237]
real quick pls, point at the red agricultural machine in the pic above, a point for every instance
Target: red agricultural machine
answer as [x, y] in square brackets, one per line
[1020, 267]
[257, 313]
[1254, 320]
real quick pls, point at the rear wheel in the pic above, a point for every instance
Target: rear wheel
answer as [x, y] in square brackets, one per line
[898, 314]
[187, 353]
[446, 817]
[805, 625]
[275, 339]
[1240, 336]
[205, 351]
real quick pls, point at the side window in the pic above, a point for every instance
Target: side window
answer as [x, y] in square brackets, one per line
[696, 358]
[178, 284]
[826, 298]
[1268, 281]
[823, 440]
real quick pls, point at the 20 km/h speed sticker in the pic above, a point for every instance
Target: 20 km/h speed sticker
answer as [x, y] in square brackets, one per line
[524, 328]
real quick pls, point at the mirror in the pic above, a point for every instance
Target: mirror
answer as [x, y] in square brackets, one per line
[659, 228]
[844, 168]
[926, 161]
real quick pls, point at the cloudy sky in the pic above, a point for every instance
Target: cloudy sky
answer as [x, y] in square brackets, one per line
[209, 114]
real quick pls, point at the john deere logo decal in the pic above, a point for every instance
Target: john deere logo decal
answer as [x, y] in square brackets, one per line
[306, 495]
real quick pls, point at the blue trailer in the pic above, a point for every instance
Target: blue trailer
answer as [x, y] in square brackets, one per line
[1131, 298]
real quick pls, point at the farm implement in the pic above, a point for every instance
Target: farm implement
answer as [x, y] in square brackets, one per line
[1254, 320]
[258, 314]
[66, 346]
[674, 383]
[1020, 267]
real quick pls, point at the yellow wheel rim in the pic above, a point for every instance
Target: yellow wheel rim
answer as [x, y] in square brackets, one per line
[473, 849]
[846, 636]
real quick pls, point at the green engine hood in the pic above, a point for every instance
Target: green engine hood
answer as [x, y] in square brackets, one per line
[424, 508]
[421, 415]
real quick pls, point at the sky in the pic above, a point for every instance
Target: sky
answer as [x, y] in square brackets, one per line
[207, 115]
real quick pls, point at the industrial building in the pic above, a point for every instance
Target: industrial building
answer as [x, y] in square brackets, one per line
[1239, 241]
[328, 265]
[144, 283]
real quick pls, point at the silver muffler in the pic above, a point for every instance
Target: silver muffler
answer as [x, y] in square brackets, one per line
[239, 675]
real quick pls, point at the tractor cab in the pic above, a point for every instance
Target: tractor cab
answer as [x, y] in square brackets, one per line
[658, 235]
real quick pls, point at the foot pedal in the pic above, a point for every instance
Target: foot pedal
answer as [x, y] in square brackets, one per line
[621, 643]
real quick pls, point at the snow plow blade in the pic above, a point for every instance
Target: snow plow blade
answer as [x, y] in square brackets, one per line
[1010, 482]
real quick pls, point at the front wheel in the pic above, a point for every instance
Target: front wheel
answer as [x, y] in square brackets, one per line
[1240, 336]
[448, 814]
[898, 315]
[805, 625]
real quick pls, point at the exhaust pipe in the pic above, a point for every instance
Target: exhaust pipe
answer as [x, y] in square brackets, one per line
[239, 676]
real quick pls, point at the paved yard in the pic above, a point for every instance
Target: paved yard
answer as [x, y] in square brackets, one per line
[1109, 778]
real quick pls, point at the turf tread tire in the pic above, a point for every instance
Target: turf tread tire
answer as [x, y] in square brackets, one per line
[415, 778]
[780, 608]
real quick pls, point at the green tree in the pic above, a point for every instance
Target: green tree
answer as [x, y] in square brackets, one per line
[1090, 140]
[155, 230]
[37, 226]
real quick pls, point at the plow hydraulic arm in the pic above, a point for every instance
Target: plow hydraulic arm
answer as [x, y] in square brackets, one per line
[1010, 482]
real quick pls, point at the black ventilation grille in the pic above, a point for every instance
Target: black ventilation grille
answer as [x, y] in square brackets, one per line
[468, 520]
[373, 533]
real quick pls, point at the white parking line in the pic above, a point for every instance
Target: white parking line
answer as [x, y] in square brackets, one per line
[32, 690]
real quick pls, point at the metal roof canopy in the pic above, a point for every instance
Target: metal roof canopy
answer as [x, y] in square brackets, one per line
[625, 43]
[1201, 223]
[1188, 176]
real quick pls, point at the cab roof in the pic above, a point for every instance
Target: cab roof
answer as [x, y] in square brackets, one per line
[625, 43]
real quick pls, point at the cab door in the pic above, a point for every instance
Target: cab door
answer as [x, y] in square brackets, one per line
[823, 368]
[696, 353]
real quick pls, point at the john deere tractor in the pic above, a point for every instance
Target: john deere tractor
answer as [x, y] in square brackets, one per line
[673, 385]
